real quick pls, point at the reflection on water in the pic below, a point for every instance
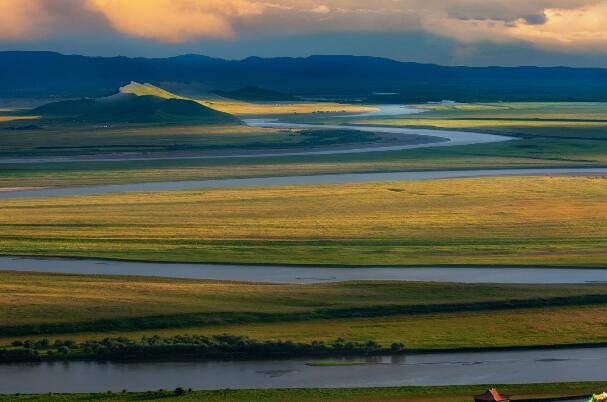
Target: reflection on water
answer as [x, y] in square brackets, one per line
[575, 364]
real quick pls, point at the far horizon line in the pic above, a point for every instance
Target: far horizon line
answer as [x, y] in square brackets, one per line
[309, 56]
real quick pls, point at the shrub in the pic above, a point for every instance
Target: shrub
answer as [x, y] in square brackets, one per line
[397, 347]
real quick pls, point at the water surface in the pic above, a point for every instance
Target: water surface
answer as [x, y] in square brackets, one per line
[295, 180]
[303, 275]
[435, 138]
[513, 367]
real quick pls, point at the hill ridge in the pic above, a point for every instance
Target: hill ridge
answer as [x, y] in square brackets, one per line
[136, 103]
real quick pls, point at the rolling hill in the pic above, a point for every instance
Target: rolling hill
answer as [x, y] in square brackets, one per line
[147, 89]
[136, 103]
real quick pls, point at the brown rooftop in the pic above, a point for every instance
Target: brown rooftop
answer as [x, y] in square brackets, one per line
[492, 395]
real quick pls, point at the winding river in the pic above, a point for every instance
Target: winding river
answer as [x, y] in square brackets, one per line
[307, 274]
[528, 366]
[294, 180]
[504, 367]
[401, 141]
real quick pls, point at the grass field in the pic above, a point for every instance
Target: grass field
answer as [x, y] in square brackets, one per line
[533, 327]
[515, 328]
[393, 394]
[554, 135]
[91, 173]
[242, 108]
[64, 138]
[9, 118]
[501, 221]
[90, 307]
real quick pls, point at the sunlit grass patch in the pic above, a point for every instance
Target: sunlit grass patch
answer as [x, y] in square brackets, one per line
[248, 108]
[504, 221]
[36, 305]
[14, 118]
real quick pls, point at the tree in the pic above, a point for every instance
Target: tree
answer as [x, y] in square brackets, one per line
[397, 347]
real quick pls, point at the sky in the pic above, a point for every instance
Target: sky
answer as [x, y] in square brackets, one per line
[450, 32]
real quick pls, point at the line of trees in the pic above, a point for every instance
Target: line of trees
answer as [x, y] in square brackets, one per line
[183, 347]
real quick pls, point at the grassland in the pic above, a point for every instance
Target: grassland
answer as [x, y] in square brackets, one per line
[534, 327]
[33, 306]
[502, 221]
[389, 394]
[553, 135]
[515, 328]
[9, 117]
[242, 108]
[52, 138]
[92, 173]
[77, 139]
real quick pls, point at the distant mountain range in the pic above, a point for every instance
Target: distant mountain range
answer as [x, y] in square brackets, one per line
[134, 103]
[37, 74]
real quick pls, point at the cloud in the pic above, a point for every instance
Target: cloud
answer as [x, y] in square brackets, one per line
[22, 19]
[571, 26]
[579, 29]
[566, 25]
[321, 9]
[175, 20]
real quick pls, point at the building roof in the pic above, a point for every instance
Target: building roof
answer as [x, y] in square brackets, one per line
[491, 396]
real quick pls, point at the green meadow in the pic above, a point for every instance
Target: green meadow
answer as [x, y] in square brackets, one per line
[33, 139]
[549, 138]
[541, 221]
[78, 307]
[388, 394]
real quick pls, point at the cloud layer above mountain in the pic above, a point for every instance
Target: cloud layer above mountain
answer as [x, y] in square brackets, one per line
[563, 25]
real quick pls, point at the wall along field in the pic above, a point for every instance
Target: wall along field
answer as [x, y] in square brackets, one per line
[502, 221]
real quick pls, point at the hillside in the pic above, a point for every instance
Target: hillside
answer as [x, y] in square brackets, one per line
[30, 74]
[132, 108]
[255, 94]
[147, 89]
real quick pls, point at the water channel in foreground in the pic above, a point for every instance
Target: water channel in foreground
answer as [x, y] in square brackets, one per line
[511, 367]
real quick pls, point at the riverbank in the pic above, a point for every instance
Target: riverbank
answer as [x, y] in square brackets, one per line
[184, 347]
[533, 392]
[227, 347]
[543, 392]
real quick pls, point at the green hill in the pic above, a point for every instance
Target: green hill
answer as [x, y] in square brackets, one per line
[255, 94]
[148, 89]
[64, 108]
[136, 103]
